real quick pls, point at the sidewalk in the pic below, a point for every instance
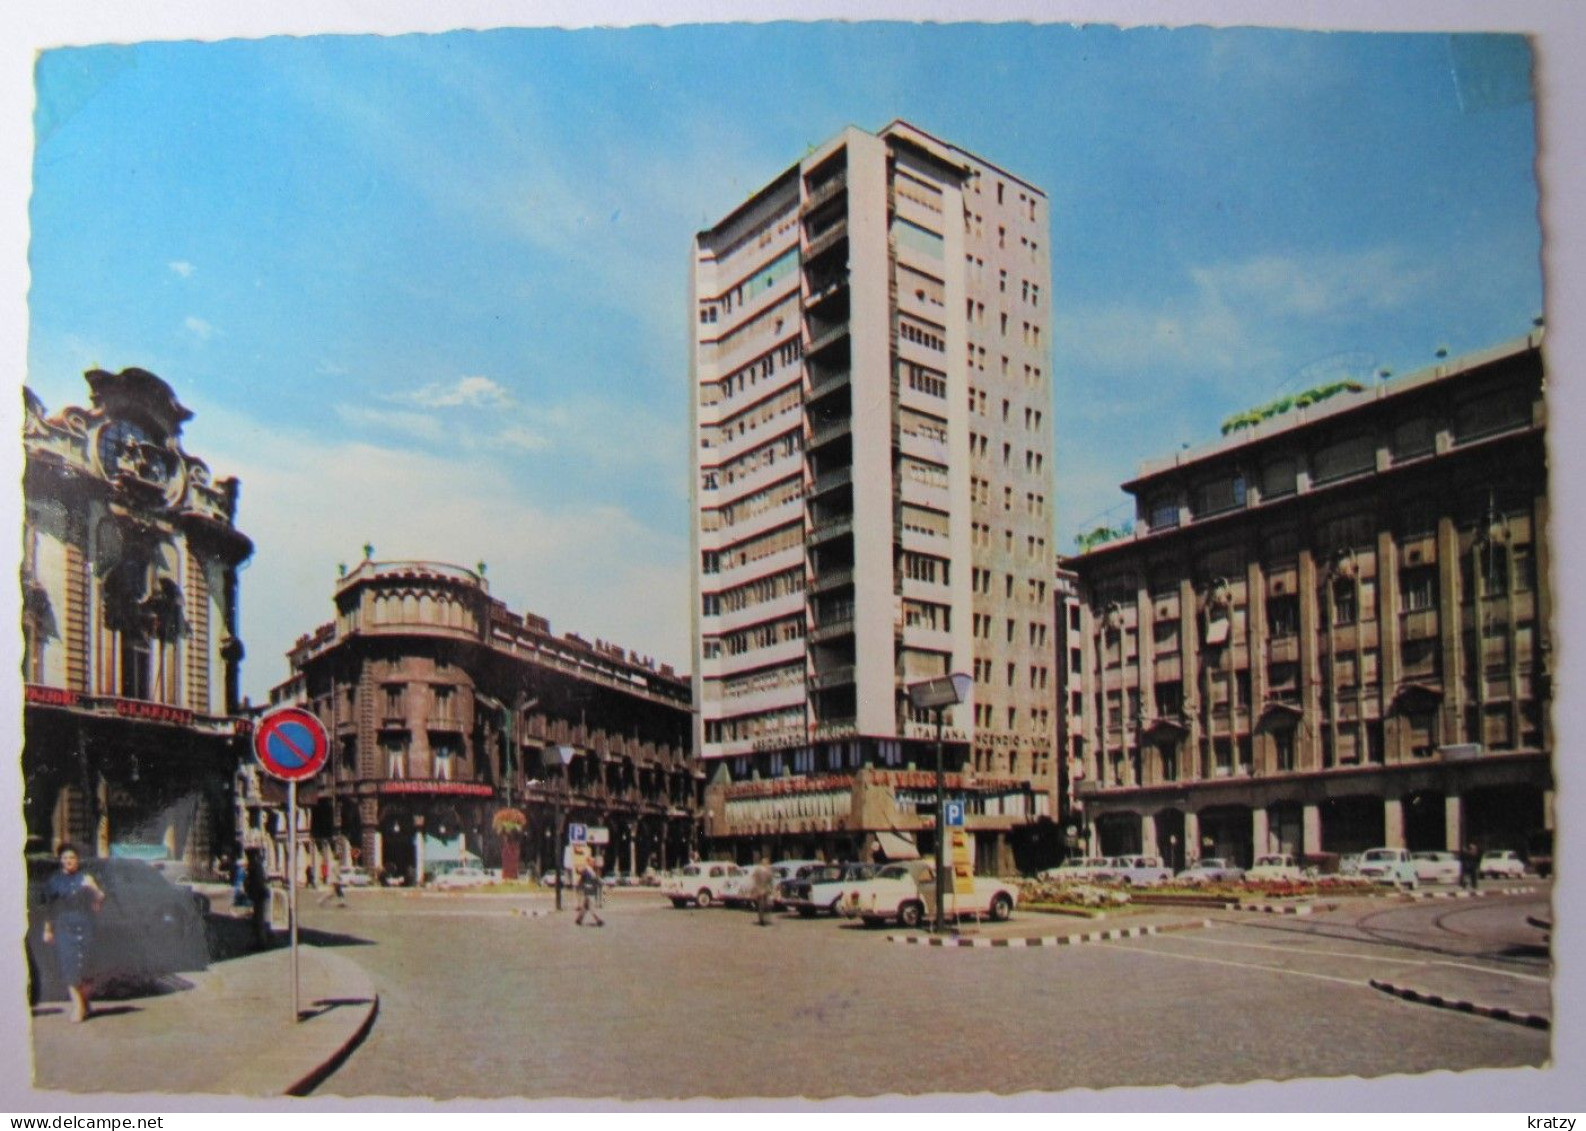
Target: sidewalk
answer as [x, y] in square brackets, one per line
[226, 1030]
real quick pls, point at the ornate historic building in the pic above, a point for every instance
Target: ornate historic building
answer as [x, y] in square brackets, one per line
[1332, 629]
[873, 473]
[444, 707]
[132, 728]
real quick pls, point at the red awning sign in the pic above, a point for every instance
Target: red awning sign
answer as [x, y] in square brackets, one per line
[291, 744]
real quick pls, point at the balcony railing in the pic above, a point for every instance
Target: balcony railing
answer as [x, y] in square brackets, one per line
[833, 677]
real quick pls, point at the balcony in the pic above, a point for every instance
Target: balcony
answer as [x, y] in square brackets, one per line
[829, 238]
[833, 627]
[827, 190]
[821, 338]
[833, 677]
[828, 383]
[839, 477]
[824, 432]
[831, 579]
[826, 529]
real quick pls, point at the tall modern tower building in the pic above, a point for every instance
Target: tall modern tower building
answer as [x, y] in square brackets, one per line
[872, 500]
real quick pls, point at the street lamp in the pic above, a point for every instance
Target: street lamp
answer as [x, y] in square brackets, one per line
[937, 695]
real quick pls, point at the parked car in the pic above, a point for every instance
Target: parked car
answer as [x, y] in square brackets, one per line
[1078, 869]
[1436, 867]
[147, 927]
[700, 884]
[738, 888]
[462, 878]
[1501, 864]
[905, 892]
[1275, 866]
[1388, 866]
[1349, 864]
[357, 877]
[1136, 871]
[821, 888]
[1212, 870]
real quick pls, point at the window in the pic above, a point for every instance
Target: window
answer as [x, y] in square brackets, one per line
[396, 757]
[1419, 588]
[1343, 591]
[1163, 513]
[137, 666]
[445, 761]
[1283, 616]
[1220, 495]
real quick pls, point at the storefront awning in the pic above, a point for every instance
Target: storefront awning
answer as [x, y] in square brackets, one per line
[895, 846]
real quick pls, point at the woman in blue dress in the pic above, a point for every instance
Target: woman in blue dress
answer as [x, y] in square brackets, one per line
[71, 900]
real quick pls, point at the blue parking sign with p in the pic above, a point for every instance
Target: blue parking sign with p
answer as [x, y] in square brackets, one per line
[955, 814]
[577, 834]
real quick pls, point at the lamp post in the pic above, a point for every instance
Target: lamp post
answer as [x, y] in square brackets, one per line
[937, 695]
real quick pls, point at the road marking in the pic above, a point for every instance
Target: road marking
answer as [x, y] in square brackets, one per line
[1241, 965]
[1490, 970]
[1307, 950]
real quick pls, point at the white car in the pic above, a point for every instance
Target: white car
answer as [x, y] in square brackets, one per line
[906, 892]
[1136, 871]
[1501, 865]
[463, 878]
[1274, 866]
[1436, 867]
[1212, 870]
[356, 877]
[701, 884]
[1388, 866]
[1080, 869]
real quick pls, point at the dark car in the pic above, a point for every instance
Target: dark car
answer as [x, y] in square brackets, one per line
[147, 927]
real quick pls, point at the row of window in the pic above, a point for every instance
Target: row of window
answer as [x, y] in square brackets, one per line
[756, 592]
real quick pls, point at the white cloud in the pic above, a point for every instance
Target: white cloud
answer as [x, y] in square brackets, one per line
[518, 437]
[472, 392]
[200, 329]
[600, 571]
[181, 267]
[415, 424]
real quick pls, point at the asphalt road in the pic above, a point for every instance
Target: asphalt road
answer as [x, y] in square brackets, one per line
[480, 1000]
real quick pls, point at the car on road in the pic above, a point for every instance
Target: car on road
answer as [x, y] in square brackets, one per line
[1274, 866]
[820, 890]
[147, 927]
[1135, 871]
[905, 893]
[700, 884]
[1079, 869]
[1501, 864]
[1212, 870]
[1436, 867]
[1388, 866]
[462, 878]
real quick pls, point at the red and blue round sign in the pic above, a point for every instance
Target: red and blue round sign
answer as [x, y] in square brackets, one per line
[291, 744]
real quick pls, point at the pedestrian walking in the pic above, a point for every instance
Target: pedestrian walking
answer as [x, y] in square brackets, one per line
[337, 889]
[1470, 866]
[71, 900]
[761, 881]
[589, 886]
[256, 885]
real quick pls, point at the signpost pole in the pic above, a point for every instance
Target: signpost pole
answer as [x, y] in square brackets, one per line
[291, 888]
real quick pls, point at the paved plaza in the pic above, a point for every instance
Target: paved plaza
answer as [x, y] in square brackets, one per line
[487, 996]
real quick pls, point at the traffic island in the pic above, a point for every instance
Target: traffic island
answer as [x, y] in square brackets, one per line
[1531, 1020]
[1113, 934]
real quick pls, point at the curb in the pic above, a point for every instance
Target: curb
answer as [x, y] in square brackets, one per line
[1274, 908]
[1048, 940]
[319, 1075]
[1495, 1012]
[1415, 895]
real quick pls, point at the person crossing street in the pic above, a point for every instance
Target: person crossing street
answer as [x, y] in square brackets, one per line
[589, 886]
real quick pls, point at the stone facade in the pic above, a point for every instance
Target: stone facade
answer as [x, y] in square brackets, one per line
[444, 707]
[132, 728]
[1331, 630]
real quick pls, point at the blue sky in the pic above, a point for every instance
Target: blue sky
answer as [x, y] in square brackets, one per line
[429, 291]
